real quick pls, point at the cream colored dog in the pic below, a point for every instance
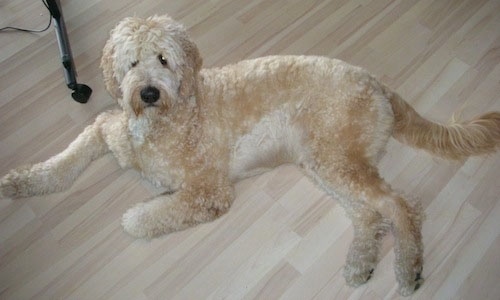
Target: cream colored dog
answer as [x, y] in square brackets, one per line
[196, 132]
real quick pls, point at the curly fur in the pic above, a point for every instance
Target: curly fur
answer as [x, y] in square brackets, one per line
[212, 127]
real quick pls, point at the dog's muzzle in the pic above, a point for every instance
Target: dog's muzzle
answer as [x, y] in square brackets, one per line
[150, 94]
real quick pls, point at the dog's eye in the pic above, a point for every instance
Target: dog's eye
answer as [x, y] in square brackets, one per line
[163, 60]
[134, 63]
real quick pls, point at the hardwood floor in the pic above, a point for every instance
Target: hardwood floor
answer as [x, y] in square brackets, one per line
[283, 238]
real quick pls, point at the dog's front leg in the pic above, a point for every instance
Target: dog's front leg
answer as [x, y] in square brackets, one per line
[180, 210]
[58, 172]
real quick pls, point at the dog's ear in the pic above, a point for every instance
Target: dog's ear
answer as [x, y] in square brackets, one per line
[193, 65]
[192, 59]
[107, 66]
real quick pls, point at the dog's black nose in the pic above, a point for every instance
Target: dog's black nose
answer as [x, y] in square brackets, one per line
[150, 94]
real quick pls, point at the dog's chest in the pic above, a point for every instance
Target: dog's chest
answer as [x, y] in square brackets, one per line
[152, 152]
[139, 129]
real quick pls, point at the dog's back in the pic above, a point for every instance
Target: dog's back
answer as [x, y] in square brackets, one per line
[338, 95]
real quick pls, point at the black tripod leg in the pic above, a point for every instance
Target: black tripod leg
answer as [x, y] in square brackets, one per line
[81, 92]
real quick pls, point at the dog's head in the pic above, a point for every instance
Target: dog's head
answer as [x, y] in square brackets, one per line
[150, 64]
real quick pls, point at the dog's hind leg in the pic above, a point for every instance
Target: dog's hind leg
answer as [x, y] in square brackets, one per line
[365, 195]
[58, 172]
[362, 258]
[199, 202]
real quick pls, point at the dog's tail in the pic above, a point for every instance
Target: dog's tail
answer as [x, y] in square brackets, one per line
[457, 140]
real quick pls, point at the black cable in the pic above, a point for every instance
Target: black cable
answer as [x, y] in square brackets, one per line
[31, 30]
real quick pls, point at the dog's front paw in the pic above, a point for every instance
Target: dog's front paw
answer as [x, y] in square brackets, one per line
[8, 189]
[12, 184]
[135, 220]
[140, 222]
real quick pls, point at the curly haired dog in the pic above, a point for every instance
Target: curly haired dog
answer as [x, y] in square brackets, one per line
[196, 132]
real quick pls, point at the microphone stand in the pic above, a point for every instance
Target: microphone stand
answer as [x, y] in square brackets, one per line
[81, 92]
